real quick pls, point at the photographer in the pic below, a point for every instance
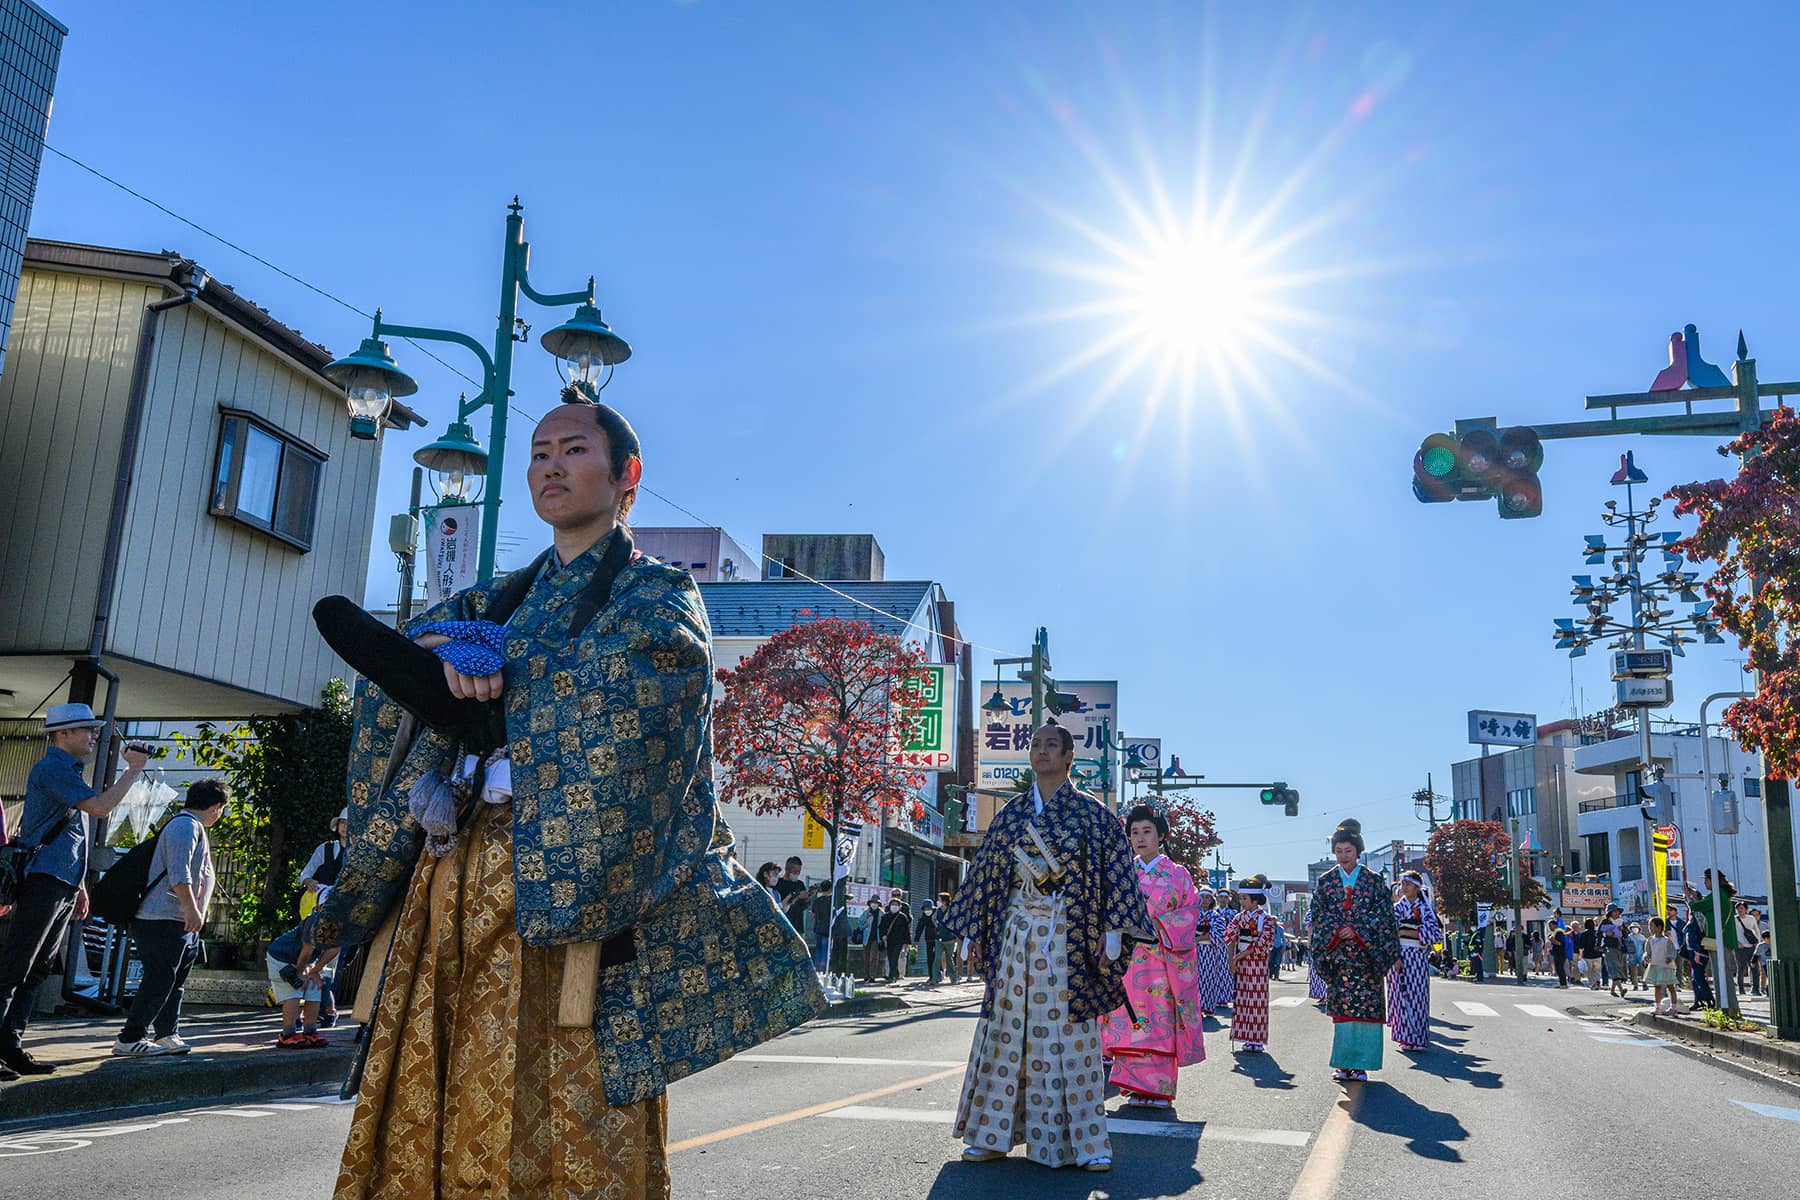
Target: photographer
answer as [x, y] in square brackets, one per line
[58, 802]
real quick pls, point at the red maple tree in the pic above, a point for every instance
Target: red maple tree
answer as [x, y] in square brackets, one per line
[1750, 529]
[810, 721]
[1464, 858]
[1192, 833]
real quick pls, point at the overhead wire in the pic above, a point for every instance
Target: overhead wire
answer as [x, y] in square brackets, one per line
[336, 299]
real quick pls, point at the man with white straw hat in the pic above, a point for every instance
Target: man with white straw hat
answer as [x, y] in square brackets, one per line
[57, 803]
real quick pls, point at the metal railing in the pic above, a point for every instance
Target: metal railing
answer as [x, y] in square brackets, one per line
[1600, 804]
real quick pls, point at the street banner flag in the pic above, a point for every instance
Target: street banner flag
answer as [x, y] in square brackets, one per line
[1661, 838]
[848, 834]
[1484, 913]
[451, 537]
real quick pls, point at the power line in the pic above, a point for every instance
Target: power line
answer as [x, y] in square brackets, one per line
[336, 299]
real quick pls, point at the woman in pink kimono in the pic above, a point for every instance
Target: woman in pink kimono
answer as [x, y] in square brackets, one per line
[1158, 1031]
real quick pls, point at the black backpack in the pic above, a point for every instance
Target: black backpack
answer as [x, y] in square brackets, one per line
[118, 894]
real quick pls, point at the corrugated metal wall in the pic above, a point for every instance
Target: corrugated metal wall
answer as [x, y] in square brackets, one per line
[62, 412]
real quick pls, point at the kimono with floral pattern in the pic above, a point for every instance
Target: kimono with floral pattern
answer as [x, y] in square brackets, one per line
[1355, 966]
[1161, 1030]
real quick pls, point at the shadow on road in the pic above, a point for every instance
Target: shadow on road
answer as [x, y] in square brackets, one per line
[1263, 1071]
[1447, 1063]
[1144, 1168]
[1429, 1133]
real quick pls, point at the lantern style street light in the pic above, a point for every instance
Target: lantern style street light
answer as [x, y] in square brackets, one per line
[371, 379]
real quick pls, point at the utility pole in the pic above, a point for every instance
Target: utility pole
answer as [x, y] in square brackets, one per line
[1518, 921]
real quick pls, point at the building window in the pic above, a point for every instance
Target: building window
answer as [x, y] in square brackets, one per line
[266, 479]
[1753, 787]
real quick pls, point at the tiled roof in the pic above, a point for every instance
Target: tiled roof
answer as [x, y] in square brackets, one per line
[765, 608]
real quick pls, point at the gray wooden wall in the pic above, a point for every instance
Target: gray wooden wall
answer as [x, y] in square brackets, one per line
[198, 594]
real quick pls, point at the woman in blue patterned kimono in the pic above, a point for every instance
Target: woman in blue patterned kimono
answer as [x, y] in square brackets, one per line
[1409, 983]
[1215, 974]
[1355, 939]
[1046, 911]
[533, 830]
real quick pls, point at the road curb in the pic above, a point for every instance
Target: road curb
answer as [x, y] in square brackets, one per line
[1776, 1062]
[189, 1080]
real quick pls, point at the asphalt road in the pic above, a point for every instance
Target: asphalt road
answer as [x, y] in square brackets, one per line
[1531, 1101]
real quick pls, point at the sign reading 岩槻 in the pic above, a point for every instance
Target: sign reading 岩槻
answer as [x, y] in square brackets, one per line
[1501, 729]
[929, 739]
[450, 541]
[1005, 749]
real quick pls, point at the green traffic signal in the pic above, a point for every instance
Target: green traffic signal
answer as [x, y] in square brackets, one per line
[1268, 796]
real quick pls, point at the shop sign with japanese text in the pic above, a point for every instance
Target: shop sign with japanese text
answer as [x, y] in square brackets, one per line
[928, 738]
[1005, 750]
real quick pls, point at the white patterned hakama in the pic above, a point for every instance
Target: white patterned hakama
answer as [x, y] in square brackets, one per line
[1034, 1076]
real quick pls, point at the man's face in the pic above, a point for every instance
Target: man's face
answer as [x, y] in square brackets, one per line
[793, 870]
[571, 475]
[1047, 754]
[79, 742]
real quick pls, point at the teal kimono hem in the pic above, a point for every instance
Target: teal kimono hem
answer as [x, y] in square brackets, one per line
[1356, 1045]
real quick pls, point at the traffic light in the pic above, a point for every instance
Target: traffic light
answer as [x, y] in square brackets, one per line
[1661, 801]
[1481, 464]
[1282, 794]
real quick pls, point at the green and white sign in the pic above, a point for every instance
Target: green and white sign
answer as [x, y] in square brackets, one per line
[928, 740]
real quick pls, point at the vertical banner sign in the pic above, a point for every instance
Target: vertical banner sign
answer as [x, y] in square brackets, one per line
[451, 535]
[1484, 913]
[812, 834]
[927, 737]
[1661, 838]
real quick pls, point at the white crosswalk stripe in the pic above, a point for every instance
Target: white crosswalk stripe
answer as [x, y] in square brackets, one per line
[1544, 1011]
[1475, 1009]
[1287, 1002]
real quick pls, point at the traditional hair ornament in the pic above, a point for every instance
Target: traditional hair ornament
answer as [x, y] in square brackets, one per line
[1256, 885]
[1152, 813]
[1413, 877]
[1348, 830]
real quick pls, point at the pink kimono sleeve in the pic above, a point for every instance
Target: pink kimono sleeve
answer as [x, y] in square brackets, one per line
[1177, 911]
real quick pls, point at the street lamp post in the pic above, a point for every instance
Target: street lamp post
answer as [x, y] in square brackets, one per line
[371, 378]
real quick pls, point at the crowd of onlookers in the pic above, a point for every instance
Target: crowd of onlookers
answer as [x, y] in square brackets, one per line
[1634, 954]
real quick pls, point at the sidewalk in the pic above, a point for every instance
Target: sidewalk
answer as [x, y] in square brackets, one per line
[234, 1055]
[1759, 1046]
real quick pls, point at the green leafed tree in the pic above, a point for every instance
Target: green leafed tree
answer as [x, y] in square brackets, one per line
[287, 782]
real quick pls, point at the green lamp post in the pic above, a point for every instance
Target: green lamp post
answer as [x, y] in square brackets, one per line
[371, 379]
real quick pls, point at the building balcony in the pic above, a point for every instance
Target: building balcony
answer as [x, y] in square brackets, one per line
[1601, 803]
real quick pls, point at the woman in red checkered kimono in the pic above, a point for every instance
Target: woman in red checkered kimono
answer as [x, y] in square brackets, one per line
[1248, 940]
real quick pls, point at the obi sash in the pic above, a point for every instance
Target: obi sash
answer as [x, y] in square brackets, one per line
[1409, 932]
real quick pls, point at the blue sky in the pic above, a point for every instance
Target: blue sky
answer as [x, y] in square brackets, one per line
[871, 262]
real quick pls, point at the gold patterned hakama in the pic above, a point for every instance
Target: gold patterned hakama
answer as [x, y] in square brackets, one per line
[1035, 1076]
[471, 1088]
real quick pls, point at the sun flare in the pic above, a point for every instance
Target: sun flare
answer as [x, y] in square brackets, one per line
[1189, 293]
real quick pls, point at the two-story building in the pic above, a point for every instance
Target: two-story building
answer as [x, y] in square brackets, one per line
[178, 485]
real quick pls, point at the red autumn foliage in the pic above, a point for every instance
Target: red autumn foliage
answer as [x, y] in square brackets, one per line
[1750, 530]
[808, 722]
[1192, 833]
[1464, 859]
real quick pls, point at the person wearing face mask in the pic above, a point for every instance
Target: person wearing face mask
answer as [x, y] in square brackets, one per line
[1355, 941]
[896, 936]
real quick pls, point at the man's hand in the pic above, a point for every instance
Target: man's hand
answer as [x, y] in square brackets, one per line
[192, 919]
[134, 757]
[81, 903]
[311, 885]
[464, 687]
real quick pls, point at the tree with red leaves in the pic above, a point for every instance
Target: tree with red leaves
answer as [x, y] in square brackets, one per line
[1192, 833]
[1464, 858]
[809, 722]
[1750, 529]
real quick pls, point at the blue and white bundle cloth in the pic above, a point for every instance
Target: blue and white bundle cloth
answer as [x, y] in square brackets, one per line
[475, 647]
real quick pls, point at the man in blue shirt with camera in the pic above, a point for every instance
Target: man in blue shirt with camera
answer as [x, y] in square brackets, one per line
[58, 802]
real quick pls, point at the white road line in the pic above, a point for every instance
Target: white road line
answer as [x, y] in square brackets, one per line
[1771, 1110]
[1627, 1041]
[1475, 1008]
[234, 1112]
[1544, 1011]
[830, 1061]
[1287, 1001]
[1122, 1125]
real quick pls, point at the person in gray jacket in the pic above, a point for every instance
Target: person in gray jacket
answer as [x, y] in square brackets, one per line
[168, 923]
